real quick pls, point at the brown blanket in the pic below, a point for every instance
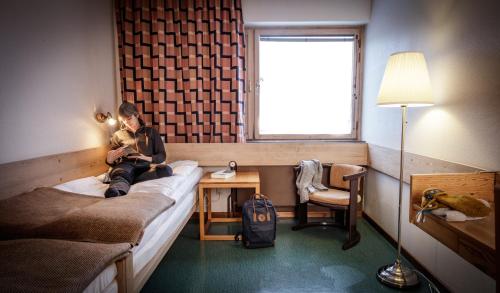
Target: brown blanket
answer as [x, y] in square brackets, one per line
[45, 265]
[52, 213]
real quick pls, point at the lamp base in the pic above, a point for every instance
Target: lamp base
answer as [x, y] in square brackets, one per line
[397, 276]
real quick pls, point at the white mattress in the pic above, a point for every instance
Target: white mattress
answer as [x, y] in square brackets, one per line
[179, 195]
[112, 288]
[164, 226]
[165, 232]
[104, 281]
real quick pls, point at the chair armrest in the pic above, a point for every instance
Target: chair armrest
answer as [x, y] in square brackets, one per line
[355, 175]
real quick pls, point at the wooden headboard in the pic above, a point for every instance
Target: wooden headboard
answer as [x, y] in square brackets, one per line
[22, 176]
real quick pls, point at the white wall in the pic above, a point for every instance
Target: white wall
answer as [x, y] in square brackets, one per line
[461, 42]
[56, 70]
[305, 12]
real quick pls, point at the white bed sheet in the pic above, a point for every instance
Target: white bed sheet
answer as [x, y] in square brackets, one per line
[103, 282]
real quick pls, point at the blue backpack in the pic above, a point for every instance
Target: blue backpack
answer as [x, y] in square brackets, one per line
[258, 222]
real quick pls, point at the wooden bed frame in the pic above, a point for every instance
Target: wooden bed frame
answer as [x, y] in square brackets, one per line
[23, 176]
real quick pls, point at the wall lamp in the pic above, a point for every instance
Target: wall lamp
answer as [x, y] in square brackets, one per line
[101, 117]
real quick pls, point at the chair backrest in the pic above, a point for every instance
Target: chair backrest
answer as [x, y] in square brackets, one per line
[338, 171]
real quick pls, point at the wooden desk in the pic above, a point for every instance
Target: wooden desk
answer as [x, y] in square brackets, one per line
[241, 180]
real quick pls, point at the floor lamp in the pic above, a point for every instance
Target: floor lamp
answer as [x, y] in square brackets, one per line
[405, 84]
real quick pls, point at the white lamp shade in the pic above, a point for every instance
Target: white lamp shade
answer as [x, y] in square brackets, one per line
[406, 81]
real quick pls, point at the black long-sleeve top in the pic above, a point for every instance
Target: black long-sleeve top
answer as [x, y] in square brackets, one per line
[145, 140]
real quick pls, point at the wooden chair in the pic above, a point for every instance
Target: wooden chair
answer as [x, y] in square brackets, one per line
[343, 196]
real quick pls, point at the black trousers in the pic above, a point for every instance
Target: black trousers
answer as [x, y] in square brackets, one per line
[127, 173]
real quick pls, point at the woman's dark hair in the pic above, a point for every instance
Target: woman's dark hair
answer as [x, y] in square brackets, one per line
[127, 109]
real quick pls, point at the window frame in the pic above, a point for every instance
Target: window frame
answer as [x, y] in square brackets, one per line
[253, 37]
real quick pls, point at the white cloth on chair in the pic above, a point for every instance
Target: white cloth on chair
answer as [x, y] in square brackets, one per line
[309, 179]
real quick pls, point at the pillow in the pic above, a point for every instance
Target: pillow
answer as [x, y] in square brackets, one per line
[183, 163]
[104, 178]
[184, 170]
[88, 186]
[184, 167]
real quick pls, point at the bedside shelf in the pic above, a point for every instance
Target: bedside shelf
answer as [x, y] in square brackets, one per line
[472, 240]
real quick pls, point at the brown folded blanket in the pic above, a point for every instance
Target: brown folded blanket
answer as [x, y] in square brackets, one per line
[48, 265]
[56, 214]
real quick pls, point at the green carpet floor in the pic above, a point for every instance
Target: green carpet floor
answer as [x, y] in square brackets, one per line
[309, 260]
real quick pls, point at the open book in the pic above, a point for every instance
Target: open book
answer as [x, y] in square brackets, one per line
[227, 173]
[130, 151]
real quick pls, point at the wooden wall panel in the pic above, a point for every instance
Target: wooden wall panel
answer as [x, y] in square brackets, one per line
[268, 154]
[273, 160]
[277, 182]
[386, 160]
[22, 176]
[479, 185]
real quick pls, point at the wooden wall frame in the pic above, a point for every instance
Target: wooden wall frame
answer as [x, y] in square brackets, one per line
[22, 176]
[268, 154]
[386, 160]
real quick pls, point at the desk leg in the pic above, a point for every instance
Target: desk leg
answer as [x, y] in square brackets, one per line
[257, 188]
[209, 204]
[201, 206]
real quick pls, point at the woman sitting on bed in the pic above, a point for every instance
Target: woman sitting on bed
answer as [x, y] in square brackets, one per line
[133, 148]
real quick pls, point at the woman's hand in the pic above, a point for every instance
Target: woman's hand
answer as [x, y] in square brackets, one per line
[141, 157]
[114, 155]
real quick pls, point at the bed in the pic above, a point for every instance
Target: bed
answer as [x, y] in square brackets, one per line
[53, 265]
[158, 235]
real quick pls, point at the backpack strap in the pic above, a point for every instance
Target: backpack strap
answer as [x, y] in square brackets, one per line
[263, 197]
[259, 196]
[254, 213]
[267, 209]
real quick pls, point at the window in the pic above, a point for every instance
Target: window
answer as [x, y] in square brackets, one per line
[305, 84]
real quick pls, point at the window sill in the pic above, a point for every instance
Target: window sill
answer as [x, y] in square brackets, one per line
[312, 141]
